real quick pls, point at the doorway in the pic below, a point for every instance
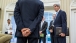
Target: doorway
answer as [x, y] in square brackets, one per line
[48, 18]
[73, 26]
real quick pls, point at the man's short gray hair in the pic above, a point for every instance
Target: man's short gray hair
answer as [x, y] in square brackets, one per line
[57, 5]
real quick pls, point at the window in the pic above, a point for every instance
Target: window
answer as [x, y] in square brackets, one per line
[48, 18]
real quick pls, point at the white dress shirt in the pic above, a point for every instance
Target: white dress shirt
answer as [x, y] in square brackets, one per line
[42, 23]
[7, 27]
[57, 12]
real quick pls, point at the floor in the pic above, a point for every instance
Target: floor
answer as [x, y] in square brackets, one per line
[49, 42]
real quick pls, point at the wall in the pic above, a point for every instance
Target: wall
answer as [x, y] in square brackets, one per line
[0, 3]
[0, 16]
[0, 13]
[3, 5]
[65, 5]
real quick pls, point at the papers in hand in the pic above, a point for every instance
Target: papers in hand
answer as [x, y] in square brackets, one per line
[41, 35]
[9, 31]
[58, 30]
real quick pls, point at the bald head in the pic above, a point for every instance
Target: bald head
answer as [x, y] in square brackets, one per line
[56, 7]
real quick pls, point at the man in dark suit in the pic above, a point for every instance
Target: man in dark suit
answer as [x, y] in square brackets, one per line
[60, 21]
[43, 27]
[28, 15]
[51, 26]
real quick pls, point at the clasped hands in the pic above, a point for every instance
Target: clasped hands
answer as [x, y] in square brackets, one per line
[26, 32]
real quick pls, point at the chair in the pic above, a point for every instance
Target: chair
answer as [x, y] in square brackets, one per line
[4, 38]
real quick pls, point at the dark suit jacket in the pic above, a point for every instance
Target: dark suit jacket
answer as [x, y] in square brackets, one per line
[28, 14]
[50, 24]
[60, 21]
[44, 27]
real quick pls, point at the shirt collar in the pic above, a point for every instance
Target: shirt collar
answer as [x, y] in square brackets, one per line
[58, 10]
[42, 21]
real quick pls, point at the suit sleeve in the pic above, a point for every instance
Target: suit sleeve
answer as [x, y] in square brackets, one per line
[64, 22]
[50, 25]
[17, 16]
[45, 27]
[38, 19]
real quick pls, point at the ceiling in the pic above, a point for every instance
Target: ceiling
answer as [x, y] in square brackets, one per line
[49, 0]
[47, 3]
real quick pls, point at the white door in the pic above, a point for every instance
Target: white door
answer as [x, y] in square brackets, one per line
[73, 26]
[7, 15]
[10, 16]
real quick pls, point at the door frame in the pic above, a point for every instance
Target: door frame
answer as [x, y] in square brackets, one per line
[71, 14]
[7, 13]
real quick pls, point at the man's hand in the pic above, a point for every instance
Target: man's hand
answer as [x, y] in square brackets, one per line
[24, 29]
[10, 33]
[40, 32]
[26, 32]
[10, 29]
[62, 34]
[51, 30]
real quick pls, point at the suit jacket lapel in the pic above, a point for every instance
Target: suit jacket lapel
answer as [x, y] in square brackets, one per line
[57, 15]
[42, 25]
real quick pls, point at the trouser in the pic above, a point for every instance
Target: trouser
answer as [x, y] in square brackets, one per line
[43, 39]
[25, 40]
[59, 39]
[52, 38]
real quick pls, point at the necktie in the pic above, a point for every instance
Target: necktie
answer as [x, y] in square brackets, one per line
[56, 14]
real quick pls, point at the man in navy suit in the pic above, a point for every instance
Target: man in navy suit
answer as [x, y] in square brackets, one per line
[28, 15]
[60, 21]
